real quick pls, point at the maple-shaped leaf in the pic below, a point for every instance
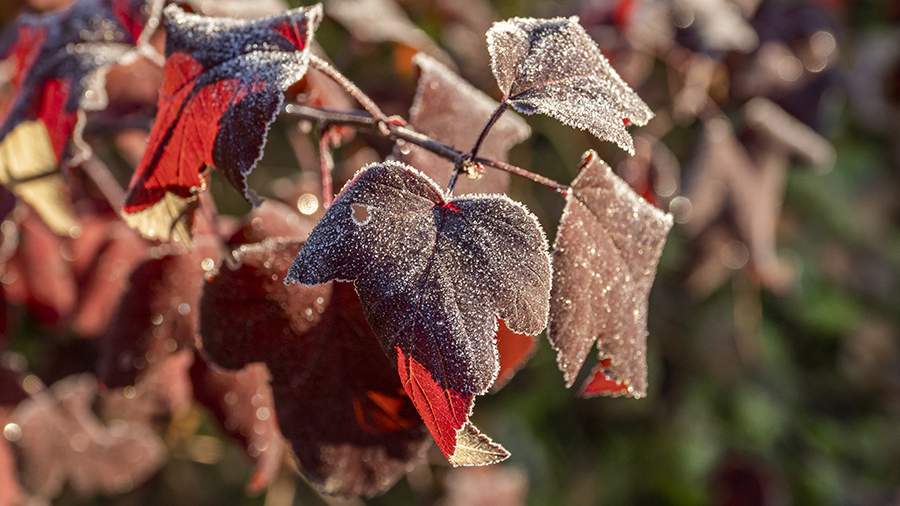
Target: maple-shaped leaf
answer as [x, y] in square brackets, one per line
[449, 109]
[604, 260]
[434, 274]
[223, 86]
[242, 403]
[62, 441]
[551, 66]
[364, 433]
[58, 60]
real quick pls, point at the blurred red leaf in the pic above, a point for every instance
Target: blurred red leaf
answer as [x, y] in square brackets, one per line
[57, 57]
[515, 350]
[242, 403]
[60, 440]
[323, 359]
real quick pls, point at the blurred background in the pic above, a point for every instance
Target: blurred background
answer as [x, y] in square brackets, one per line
[774, 346]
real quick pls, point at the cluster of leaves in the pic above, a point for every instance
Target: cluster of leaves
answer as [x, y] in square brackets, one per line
[451, 288]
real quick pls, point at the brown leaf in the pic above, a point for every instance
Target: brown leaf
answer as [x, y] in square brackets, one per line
[728, 179]
[324, 359]
[449, 109]
[604, 260]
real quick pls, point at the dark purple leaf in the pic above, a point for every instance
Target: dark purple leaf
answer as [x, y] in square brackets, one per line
[337, 398]
[434, 275]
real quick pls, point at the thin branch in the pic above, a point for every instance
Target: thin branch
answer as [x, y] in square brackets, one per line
[103, 179]
[473, 153]
[326, 165]
[395, 132]
[359, 95]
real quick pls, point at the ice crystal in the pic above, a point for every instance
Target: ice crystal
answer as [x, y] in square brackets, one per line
[551, 66]
[604, 259]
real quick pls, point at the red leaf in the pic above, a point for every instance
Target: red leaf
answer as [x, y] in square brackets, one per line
[156, 316]
[325, 361]
[515, 350]
[222, 87]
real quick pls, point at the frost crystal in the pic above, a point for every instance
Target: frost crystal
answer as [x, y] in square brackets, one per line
[434, 274]
[604, 259]
[551, 66]
[449, 109]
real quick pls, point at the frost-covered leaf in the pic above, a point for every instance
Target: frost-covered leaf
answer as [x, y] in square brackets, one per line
[383, 21]
[434, 274]
[242, 403]
[58, 60]
[604, 260]
[62, 441]
[223, 85]
[551, 66]
[324, 359]
[449, 109]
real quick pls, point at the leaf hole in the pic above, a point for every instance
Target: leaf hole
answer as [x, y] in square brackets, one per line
[361, 214]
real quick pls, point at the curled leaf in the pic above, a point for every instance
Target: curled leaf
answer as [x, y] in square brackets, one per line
[223, 85]
[551, 66]
[604, 259]
[324, 359]
[434, 275]
[449, 109]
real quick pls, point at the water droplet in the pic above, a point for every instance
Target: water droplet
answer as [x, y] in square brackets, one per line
[184, 309]
[307, 204]
[263, 413]
[207, 264]
[157, 319]
[12, 432]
